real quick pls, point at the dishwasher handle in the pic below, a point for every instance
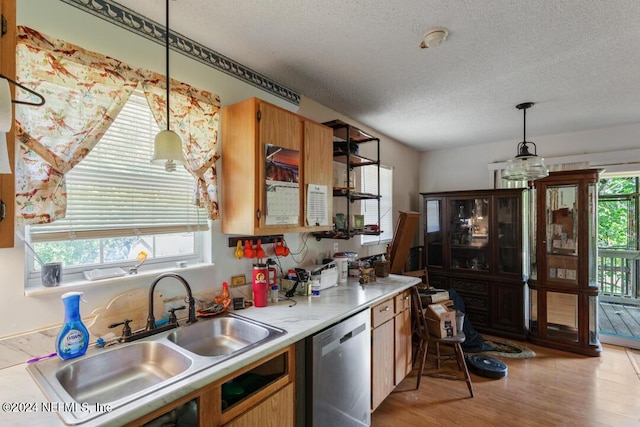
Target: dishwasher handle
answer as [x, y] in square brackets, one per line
[329, 347]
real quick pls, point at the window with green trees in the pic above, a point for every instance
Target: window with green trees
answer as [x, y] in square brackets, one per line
[617, 213]
[618, 251]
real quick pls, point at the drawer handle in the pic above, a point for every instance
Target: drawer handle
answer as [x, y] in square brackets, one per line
[405, 298]
[386, 308]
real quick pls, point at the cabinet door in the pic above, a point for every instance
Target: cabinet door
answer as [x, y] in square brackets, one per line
[8, 68]
[382, 362]
[434, 232]
[279, 151]
[507, 305]
[469, 219]
[276, 411]
[318, 159]
[403, 345]
[509, 238]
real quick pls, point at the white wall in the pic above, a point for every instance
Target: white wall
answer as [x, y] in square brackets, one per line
[22, 313]
[466, 168]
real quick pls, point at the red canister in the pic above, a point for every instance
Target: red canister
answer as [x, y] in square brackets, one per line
[259, 282]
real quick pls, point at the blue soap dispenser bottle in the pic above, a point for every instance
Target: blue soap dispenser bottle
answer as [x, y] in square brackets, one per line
[73, 338]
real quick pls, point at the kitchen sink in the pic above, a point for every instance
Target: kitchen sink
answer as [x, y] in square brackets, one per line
[223, 335]
[105, 377]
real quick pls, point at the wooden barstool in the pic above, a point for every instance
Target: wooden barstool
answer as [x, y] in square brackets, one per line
[424, 339]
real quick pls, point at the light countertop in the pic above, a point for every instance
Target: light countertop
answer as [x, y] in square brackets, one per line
[306, 317]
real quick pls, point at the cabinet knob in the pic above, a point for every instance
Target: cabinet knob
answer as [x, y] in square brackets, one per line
[385, 308]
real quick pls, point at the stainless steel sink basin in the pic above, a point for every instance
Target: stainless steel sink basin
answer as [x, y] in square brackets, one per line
[104, 380]
[222, 335]
[105, 377]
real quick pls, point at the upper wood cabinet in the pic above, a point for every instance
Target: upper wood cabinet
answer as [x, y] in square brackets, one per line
[8, 68]
[266, 150]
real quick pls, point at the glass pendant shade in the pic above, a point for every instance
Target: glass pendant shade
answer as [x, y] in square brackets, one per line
[526, 166]
[167, 148]
[525, 169]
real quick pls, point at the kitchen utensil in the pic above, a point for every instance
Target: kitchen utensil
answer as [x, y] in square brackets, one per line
[239, 252]
[249, 252]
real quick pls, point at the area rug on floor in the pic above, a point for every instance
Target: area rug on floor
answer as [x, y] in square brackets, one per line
[506, 348]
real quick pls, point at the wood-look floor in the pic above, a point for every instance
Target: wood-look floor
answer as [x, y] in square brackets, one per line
[555, 388]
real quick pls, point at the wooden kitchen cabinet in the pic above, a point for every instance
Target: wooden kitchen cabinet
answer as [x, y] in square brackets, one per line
[390, 345]
[265, 151]
[474, 244]
[275, 411]
[402, 320]
[382, 352]
[268, 396]
[8, 68]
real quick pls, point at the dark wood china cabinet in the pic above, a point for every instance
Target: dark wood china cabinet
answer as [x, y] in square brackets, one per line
[474, 244]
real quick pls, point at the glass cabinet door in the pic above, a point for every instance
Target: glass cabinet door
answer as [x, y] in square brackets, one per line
[469, 237]
[433, 233]
[509, 244]
[561, 243]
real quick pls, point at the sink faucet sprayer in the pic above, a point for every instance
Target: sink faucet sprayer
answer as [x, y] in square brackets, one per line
[151, 321]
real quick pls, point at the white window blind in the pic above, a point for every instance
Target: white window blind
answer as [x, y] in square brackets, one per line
[369, 184]
[116, 191]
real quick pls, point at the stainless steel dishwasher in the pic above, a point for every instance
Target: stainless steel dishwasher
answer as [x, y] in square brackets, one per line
[339, 372]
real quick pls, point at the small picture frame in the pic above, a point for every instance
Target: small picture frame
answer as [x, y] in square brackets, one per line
[238, 280]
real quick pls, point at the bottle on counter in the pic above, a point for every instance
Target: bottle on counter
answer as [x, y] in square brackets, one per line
[73, 338]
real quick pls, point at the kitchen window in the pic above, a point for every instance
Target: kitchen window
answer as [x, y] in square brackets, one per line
[119, 204]
[369, 181]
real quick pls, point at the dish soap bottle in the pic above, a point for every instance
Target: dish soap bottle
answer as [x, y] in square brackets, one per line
[73, 338]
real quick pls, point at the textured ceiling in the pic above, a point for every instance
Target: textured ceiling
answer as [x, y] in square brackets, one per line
[578, 60]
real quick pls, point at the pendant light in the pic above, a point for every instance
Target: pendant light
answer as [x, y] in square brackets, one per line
[167, 146]
[525, 166]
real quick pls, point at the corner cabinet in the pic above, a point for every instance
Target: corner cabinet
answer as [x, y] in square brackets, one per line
[474, 244]
[347, 140]
[563, 283]
[269, 157]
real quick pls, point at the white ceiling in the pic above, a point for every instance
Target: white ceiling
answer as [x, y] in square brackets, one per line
[578, 60]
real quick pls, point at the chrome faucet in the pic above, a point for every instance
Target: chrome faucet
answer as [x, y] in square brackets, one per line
[151, 320]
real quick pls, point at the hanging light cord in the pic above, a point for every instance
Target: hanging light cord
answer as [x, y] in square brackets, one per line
[524, 111]
[167, 62]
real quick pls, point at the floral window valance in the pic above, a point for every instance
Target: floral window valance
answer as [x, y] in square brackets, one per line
[84, 92]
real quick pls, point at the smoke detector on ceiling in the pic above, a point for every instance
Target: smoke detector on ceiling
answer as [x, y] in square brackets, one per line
[434, 37]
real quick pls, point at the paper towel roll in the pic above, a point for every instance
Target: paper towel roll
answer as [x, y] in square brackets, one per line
[6, 119]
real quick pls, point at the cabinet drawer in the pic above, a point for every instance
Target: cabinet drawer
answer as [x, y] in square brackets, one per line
[403, 301]
[382, 312]
[476, 302]
[439, 282]
[467, 286]
[477, 318]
